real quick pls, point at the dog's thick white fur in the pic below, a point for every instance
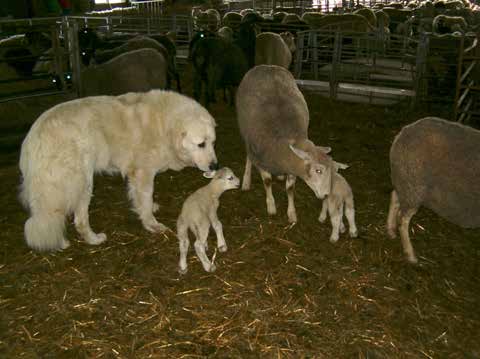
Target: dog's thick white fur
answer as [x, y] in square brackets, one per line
[136, 134]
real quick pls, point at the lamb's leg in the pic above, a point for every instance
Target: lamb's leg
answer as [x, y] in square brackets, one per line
[393, 215]
[290, 187]
[323, 213]
[335, 210]
[350, 214]
[217, 226]
[202, 236]
[267, 184]
[184, 243]
[140, 184]
[405, 217]
[82, 223]
[247, 175]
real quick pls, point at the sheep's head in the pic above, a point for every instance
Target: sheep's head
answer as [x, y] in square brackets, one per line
[318, 168]
[225, 178]
[289, 40]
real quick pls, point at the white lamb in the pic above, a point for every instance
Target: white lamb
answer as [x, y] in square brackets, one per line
[199, 211]
[338, 202]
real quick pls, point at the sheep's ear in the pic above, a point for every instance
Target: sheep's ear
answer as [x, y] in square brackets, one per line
[340, 166]
[324, 149]
[302, 154]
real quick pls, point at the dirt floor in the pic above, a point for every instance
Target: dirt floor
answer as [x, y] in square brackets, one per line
[280, 291]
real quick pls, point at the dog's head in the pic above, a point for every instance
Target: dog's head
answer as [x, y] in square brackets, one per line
[198, 144]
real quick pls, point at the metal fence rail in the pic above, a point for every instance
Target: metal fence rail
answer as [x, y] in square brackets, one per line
[467, 96]
[360, 67]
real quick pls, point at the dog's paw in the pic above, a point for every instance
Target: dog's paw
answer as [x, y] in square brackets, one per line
[155, 227]
[182, 271]
[223, 248]
[96, 239]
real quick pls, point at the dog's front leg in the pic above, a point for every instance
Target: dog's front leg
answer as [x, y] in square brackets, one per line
[140, 183]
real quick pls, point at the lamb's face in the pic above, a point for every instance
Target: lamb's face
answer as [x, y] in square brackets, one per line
[227, 179]
[198, 145]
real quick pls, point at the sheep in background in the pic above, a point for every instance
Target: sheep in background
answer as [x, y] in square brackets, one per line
[135, 71]
[311, 18]
[443, 24]
[274, 127]
[168, 52]
[199, 211]
[208, 20]
[338, 202]
[434, 163]
[369, 15]
[217, 63]
[232, 19]
[226, 33]
[274, 49]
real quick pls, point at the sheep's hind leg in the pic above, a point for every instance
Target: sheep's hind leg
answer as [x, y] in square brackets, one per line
[290, 187]
[393, 215]
[405, 217]
[82, 223]
[267, 184]
[202, 236]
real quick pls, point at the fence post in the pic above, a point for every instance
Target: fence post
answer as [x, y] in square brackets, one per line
[337, 55]
[297, 68]
[74, 51]
[421, 67]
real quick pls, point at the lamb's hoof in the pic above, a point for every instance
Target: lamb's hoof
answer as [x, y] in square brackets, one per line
[333, 239]
[213, 268]
[391, 233]
[64, 244]
[96, 239]
[342, 228]
[155, 227]
[322, 219]
[353, 234]
[272, 211]
[182, 271]
[223, 248]
[155, 207]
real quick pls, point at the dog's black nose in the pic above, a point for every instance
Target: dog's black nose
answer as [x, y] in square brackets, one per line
[213, 166]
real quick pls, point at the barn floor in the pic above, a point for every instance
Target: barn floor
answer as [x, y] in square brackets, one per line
[280, 291]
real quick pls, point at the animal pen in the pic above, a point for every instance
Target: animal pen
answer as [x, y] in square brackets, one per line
[370, 67]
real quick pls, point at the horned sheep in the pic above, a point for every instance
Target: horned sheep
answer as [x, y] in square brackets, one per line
[434, 163]
[274, 127]
[199, 211]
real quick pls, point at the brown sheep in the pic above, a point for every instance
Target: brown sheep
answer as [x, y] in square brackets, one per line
[434, 163]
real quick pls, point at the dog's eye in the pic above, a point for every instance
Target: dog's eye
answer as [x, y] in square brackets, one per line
[319, 171]
[201, 145]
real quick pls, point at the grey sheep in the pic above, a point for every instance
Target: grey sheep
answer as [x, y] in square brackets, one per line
[338, 203]
[436, 164]
[273, 120]
[199, 211]
[274, 49]
[135, 71]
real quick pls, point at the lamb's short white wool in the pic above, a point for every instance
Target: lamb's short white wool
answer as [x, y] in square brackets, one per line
[136, 134]
[338, 203]
[199, 211]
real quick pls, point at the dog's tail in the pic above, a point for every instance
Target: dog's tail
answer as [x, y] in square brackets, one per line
[45, 231]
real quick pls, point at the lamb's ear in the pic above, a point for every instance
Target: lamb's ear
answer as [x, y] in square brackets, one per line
[302, 154]
[340, 166]
[324, 149]
[209, 174]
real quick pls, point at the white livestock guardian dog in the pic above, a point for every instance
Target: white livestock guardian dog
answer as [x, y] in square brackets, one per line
[136, 134]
